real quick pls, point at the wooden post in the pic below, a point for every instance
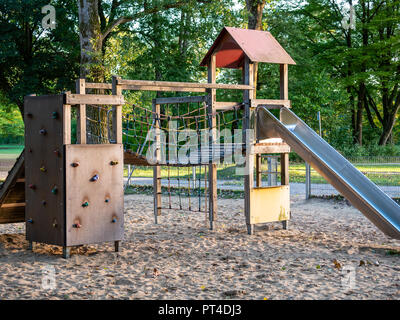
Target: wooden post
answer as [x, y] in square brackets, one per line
[81, 114]
[248, 78]
[284, 90]
[117, 111]
[67, 123]
[157, 168]
[258, 171]
[212, 168]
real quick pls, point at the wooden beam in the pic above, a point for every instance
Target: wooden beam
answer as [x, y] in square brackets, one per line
[220, 105]
[92, 85]
[193, 99]
[99, 99]
[81, 114]
[193, 85]
[161, 88]
[260, 148]
[271, 104]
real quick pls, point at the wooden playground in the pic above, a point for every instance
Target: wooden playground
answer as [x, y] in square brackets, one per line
[71, 194]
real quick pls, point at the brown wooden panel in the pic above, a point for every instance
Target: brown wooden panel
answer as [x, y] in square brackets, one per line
[12, 192]
[44, 149]
[95, 219]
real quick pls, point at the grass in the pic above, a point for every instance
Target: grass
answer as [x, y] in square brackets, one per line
[381, 174]
[9, 151]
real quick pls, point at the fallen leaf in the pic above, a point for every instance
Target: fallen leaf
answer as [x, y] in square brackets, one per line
[337, 264]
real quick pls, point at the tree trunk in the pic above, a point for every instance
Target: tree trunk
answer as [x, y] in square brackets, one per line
[255, 9]
[92, 67]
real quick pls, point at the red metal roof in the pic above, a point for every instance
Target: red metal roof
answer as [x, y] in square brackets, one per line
[232, 44]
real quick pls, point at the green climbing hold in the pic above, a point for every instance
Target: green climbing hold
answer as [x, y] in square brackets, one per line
[85, 204]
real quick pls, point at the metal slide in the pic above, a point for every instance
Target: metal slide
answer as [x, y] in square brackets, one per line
[363, 194]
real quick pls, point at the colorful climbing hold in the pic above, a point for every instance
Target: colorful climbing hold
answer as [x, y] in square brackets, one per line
[114, 220]
[85, 204]
[113, 163]
[32, 186]
[95, 178]
[74, 164]
[54, 115]
[54, 190]
[43, 131]
[43, 169]
[76, 225]
[29, 220]
[107, 200]
[44, 202]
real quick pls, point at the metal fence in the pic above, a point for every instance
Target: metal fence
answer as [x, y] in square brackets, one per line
[383, 171]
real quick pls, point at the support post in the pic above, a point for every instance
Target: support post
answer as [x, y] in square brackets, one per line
[66, 252]
[116, 246]
[284, 95]
[81, 114]
[308, 181]
[212, 167]
[157, 168]
[248, 79]
[117, 111]
[258, 171]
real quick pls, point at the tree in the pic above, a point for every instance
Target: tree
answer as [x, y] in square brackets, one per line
[34, 60]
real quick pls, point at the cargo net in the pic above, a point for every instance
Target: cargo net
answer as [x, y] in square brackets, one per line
[184, 145]
[184, 134]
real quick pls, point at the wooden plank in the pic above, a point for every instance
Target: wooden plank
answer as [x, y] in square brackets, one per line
[44, 189]
[12, 215]
[169, 100]
[193, 85]
[104, 197]
[13, 205]
[271, 104]
[92, 85]
[260, 148]
[12, 193]
[161, 88]
[220, 105]
[81, 114]
[99, 99]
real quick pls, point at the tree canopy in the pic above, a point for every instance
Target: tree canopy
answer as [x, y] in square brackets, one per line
[347, 69]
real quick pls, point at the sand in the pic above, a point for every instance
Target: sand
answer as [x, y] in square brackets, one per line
[330, 252]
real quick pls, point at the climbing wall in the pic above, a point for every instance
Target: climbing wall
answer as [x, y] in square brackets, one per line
[44, 169]
[94, 189]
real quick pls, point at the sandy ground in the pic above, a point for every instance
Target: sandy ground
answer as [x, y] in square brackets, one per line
[330, 252]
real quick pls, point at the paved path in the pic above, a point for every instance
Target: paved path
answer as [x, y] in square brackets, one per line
[297, 189]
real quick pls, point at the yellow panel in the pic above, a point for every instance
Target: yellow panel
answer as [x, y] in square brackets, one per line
[269, 204]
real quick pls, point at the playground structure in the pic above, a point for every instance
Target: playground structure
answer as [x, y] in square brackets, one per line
[74, 192]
